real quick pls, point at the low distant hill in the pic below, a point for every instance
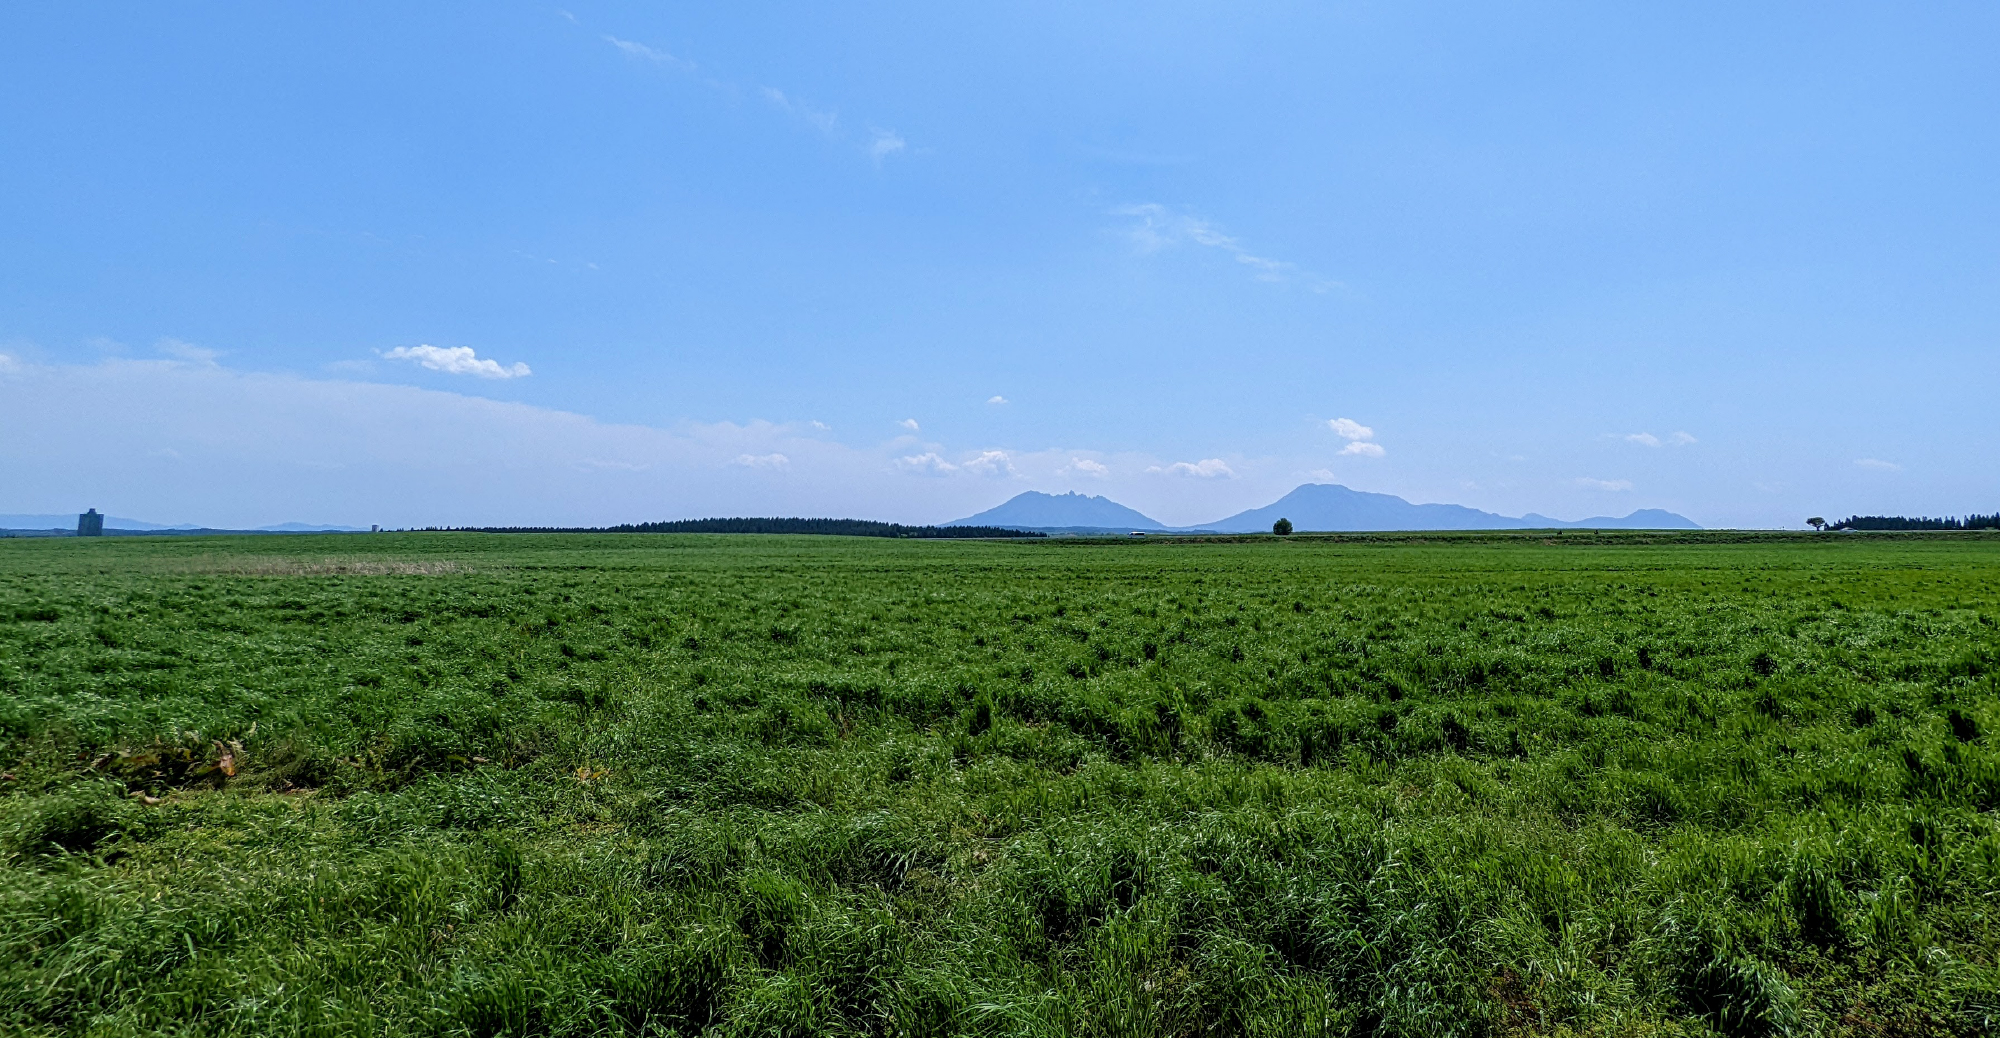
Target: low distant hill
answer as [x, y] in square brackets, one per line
[1035, 510]
[828, 527]
[120, 524]
[1332, 507]
[1643, 519]
[68, 522]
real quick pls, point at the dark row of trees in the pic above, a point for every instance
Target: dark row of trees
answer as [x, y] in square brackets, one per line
[1899, 522]
[834, 527]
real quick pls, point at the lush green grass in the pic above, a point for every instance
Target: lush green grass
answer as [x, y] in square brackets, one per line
[773, 785]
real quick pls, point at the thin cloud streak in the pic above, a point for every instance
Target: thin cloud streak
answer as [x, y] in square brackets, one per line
[634, 48]
[880, 145]
[1160, 228]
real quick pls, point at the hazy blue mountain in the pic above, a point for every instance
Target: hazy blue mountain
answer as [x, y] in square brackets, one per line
[1330, 506]
[310, 528]
[1038, 511]
[1643, 519]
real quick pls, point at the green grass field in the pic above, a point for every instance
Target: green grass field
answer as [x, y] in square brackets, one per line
[465, 784]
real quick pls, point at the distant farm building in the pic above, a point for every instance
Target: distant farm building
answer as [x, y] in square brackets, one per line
[90, 524]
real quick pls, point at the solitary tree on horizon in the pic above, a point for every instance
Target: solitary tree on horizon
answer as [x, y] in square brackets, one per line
[1282, 527]
[1817, 523]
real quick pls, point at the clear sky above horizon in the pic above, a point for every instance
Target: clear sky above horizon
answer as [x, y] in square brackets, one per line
[526, 263]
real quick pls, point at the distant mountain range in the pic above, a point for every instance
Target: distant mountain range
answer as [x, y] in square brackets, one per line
[1312, 506]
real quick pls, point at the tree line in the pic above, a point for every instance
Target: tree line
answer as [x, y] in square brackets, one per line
[1898, 522]
[833, 527]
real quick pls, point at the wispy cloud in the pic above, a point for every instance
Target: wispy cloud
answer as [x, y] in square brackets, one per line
[997, 399]
[1207, 468]
[188, 352]
[1349, 429]
[824, 120]
[457, 360]
[879, 145]
[909, 423]
[990, 463]
[1159, 228]
[884, 143]
[1085, 467]
[1605, 484]
[633, 48]
[1357, 437]
[1646, 439]
[928, 463]
[1878, 464]
[773, 460]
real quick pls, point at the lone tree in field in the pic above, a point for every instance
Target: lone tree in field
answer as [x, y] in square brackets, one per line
[1282, 527]
[1817, 523]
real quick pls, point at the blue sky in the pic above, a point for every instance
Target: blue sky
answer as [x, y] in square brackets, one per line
[902, 261]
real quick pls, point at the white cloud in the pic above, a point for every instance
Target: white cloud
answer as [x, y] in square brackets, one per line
[908, 423]
[633, 48]
[1605, 484]
[1160, 228]
[880, 144]
[1207, 468]
[8, 364]
[1878, 463]
[1349, 429]
[997, 399]
[990, 463]
[456, 360]
[825, 121]
[264, 448]
[927, 463]
[1357, 436]
[188, 351]
[1646, 439]
[884, 143]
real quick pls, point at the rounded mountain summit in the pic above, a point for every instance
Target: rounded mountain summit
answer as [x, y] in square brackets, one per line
[1035, 510]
